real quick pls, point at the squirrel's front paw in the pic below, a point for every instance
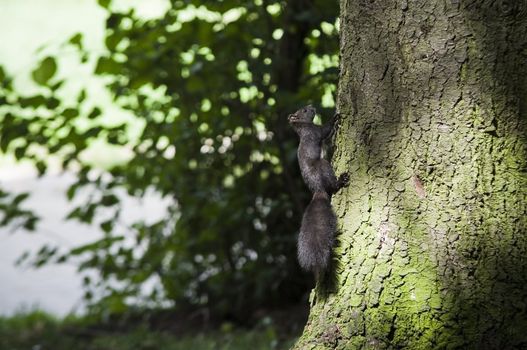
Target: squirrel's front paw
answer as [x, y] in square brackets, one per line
[344, 179]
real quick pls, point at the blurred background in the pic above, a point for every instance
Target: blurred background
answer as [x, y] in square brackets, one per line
[148, 177]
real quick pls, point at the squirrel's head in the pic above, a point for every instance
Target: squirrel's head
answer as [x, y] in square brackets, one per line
[303, 115]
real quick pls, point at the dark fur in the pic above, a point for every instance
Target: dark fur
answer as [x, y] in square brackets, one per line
[316, 171]
[315, 240]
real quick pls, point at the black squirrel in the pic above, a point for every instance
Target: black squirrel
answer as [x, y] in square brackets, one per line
[319, 222]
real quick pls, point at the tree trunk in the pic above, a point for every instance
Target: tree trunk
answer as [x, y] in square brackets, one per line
[432, 249]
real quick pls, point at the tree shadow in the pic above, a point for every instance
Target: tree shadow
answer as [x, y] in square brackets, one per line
[491, 255]
[483, 281]
[328, 282]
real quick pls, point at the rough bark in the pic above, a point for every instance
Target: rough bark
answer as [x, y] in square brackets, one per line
[433, 240]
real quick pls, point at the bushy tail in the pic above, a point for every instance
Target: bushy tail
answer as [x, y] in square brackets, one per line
[315, 240]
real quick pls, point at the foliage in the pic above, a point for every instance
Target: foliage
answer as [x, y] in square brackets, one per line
[40, 330]
[212, 82]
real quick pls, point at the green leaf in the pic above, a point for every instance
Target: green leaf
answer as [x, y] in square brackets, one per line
[95, 246]
[104, 3]
[33, 101]
[62, 259]
[57, 85]
[106, 65]
[41, 167]
[95, 113]
[86, 280]
[113, 40]
[70, 193]
[93, 132]
[109, 200]
[106, 226]
[46, 70]
[30, 224]
[70, 113]
[20, 198]
[19, 152]
[22, 258]
[82, 96]
[52, 103]
[75, 213]
[76, 40]
[44, 255]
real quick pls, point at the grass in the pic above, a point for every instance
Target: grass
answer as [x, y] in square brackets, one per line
[38, 330]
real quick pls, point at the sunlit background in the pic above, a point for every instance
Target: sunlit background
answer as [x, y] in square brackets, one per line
[147, 168]
[41, 26]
